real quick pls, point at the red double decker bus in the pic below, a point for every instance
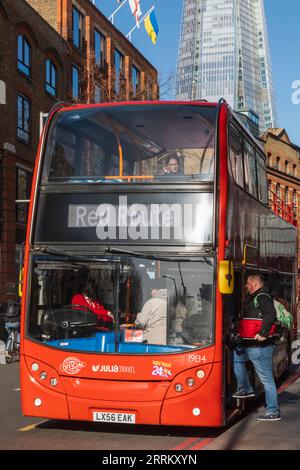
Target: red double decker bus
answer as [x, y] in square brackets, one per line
[151, 214]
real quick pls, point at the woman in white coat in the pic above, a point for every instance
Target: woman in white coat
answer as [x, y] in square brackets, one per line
[153, 317]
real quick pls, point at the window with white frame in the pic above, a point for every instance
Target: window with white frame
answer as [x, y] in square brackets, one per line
[23, 187]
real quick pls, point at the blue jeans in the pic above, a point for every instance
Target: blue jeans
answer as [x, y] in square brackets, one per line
[261, 358]
[9, 326]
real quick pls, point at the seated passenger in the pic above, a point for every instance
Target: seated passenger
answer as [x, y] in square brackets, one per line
[153, 317]
[197, 326]
[172, 167]
[196, 330]
[191, 323]
[87, 298]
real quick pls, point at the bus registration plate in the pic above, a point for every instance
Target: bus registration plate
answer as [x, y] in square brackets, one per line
[108, 417]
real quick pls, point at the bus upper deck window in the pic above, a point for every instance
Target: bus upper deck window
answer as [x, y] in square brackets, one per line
[132, 143]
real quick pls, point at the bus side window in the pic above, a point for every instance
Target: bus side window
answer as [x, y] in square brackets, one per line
[262, 178]
[250, 169]
[236, 155]
[283, 292]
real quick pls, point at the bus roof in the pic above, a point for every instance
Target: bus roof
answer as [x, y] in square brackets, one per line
[67, 107]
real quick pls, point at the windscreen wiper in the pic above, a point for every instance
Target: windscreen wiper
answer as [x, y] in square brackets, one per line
[52, 251]
[115, 251]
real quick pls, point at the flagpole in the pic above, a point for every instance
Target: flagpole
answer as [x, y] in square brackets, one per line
[111, 18]
[128, 36]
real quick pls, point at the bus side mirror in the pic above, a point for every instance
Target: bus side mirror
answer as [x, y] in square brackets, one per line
[226, 277]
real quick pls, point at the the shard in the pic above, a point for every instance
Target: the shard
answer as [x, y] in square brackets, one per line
[224, 52]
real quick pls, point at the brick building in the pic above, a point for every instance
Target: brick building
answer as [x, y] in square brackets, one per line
[103, 65]
[283, 166]
[28, 46]
[55, 50]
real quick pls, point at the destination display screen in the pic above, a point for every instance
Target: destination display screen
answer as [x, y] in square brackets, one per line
[148, 218]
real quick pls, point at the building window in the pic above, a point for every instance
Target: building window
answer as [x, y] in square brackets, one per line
[24, 179]
[269, 159]
[286, 195]
[136, 81]
[78, 28]
[295, 170]
[97, 96]
[286, 167]
[294, 199]
[51, 78]
[270, 193]
[278, 191]
[24, 119]
[149, 90]
[119, 70]
[24, 55]
[75, 82]
[278, 163]
[99, 49]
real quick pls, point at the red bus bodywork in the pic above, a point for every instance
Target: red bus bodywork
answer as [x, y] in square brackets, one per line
[118, 383]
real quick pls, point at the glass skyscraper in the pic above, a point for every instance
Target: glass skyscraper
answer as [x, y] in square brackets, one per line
[224, 52]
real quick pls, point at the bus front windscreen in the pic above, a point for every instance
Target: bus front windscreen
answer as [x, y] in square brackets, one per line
[130, 305]
[131, 143]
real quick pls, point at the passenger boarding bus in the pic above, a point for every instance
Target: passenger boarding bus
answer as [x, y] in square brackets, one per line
[145, 220]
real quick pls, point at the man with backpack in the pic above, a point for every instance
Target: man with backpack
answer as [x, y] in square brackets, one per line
[257, 339]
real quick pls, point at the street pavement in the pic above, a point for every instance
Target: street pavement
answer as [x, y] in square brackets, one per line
[250, 434]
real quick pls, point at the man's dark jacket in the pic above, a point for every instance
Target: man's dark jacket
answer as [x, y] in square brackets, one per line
[266, 311]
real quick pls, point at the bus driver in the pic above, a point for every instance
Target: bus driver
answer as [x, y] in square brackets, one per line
[87, 298]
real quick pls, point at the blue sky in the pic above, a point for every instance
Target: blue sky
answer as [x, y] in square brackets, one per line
[283, 26]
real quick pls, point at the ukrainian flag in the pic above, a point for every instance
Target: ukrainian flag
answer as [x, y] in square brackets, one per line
[152, 26]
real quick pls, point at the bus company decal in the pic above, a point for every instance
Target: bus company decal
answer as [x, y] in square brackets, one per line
[72, 365]
[113, 369]
[162, 369]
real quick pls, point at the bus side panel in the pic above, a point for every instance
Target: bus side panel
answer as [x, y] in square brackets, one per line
[200, 408]
[50, 404]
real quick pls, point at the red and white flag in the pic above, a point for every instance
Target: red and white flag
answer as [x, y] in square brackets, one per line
[136, 10]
